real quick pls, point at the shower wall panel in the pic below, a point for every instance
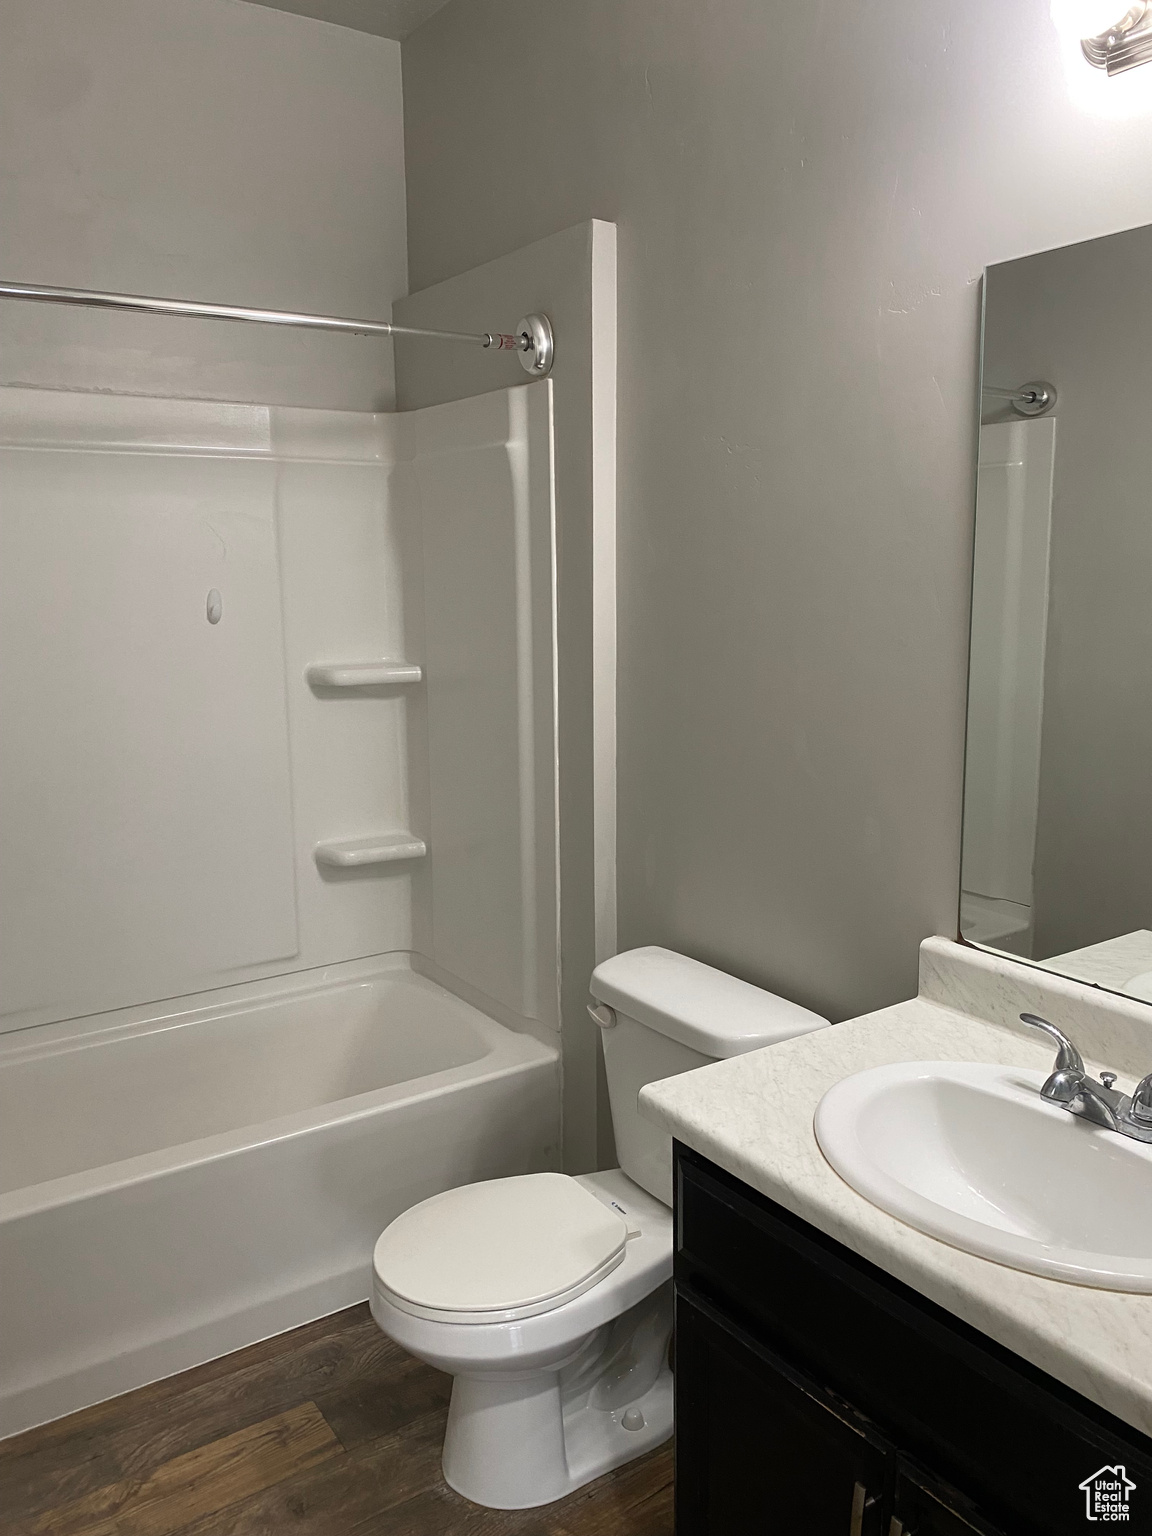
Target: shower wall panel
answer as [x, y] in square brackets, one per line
[484, 483]
[146, 818]
[164, 778]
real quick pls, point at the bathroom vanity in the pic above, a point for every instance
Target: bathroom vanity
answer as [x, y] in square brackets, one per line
[815, 1393]
[841, 1373]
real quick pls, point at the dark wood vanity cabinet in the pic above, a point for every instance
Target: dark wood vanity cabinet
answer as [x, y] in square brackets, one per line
[817, 1396]
[759, 1447]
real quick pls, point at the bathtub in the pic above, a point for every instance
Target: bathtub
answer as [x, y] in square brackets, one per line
[176, 1186]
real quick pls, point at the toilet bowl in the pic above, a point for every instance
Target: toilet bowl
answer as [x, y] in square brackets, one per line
[548, 1298]
[545, 1402]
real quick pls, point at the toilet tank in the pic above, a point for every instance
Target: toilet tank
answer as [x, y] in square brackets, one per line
[660, 1014]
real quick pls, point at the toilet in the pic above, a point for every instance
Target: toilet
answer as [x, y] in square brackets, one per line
[548, 1298]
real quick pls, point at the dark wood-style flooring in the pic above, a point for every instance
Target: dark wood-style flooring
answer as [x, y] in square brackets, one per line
[330, 1430]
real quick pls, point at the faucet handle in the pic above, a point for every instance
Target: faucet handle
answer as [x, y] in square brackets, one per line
[1068, 1058]
[1141, 1109]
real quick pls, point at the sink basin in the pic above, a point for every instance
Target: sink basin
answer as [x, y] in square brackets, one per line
[1140, 986]
[972, 1155]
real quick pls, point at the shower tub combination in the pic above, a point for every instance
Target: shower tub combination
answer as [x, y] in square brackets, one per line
[176, 1186]
[361, 755]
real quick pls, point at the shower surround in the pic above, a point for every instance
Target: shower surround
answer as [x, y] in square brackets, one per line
[278, 822]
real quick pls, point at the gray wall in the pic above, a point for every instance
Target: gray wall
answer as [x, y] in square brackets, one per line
[201, 149]
[806, 196]
[386, 18]
[1078, 317]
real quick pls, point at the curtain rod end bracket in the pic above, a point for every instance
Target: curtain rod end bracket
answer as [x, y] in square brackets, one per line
[536, 345]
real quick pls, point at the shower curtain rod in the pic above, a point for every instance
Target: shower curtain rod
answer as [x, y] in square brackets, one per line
[532, 338]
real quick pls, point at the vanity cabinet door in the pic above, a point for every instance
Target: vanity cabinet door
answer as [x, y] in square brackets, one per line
[923, 1507]
[761, 1450]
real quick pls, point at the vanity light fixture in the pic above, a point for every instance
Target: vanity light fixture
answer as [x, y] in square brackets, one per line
[1125, 44]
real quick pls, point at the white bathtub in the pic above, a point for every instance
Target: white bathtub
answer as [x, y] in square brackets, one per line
[175, 1187]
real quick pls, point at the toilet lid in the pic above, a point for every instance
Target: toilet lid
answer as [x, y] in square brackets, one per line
[500, 1250]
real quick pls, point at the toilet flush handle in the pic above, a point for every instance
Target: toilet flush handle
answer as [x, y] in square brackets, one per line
[602, 1015]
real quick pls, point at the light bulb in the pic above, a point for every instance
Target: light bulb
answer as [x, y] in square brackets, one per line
[1077, 19]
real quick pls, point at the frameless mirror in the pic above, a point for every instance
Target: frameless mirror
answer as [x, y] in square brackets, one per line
[1057, 844]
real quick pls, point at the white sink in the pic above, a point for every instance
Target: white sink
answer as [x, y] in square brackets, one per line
[972, 1155]
[1140, 986]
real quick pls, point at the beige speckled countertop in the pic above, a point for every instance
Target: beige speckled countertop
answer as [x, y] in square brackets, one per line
[753, 1116]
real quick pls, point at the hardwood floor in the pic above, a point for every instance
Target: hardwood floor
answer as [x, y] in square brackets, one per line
[330, 1430]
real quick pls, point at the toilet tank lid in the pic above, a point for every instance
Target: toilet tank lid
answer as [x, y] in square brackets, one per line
[703, 1008]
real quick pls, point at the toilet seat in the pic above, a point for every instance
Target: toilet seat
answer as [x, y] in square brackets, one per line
[500, 1250]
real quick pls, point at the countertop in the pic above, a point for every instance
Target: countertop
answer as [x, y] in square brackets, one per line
[1115, 963]
[752, 1115]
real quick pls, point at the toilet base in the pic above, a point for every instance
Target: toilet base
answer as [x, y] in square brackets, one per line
[514, 1444]
[522, 1438]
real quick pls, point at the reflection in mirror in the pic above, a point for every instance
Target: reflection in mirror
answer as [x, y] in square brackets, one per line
[1057, 844]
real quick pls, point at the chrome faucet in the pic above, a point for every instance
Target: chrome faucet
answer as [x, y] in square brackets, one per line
[1073, 1089]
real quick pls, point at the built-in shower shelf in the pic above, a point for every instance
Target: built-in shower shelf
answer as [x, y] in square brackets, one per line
[362, 674]
[380, 848]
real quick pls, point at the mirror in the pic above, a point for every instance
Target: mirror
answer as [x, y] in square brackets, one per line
[1057, 839]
